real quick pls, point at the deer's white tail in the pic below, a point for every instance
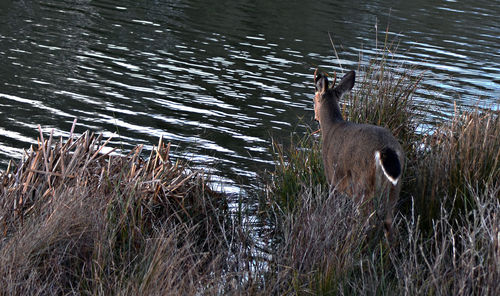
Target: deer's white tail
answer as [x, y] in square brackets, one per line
[388, 160]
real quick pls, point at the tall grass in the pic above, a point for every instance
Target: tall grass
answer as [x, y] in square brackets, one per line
[460, 153]
[324, 248]
[449, 233]
[74, 220]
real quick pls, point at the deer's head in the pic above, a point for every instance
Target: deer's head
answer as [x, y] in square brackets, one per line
[326, 98]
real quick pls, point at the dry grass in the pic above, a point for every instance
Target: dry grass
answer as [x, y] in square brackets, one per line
[461, 153]
[449, 233]
[74, 220]
[326, 248]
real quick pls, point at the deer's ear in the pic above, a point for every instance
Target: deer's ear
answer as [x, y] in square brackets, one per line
[346, 84]
[320, 82]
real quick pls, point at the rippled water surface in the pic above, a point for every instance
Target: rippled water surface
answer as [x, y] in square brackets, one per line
[218, 78]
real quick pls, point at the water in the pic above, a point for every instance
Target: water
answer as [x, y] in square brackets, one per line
[218, 78]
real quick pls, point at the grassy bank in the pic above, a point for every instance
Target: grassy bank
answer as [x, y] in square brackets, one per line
[78, 219]
[448, 221]
[74, 220]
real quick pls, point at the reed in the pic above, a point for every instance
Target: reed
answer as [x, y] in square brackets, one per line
[76, 220]
[461, 152]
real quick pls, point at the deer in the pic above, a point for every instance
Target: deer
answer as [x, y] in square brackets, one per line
[363, 161]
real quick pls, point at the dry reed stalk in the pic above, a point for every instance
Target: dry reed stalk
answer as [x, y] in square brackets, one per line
[45, 170]
[75, 217]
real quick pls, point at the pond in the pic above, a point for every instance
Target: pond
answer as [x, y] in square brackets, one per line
[219, 78]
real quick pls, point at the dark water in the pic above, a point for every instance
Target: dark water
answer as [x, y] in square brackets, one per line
[217, 78]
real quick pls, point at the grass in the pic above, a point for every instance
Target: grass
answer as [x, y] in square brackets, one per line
[448, 222]
[76, 218]
[460, 159]
[300, 168]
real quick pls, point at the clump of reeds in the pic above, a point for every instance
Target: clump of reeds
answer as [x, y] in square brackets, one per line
[461, 152]
[75, 220]
[317, 245]
[462, 254]
[325, 250]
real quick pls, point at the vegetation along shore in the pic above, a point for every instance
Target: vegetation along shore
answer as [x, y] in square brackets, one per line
[77, 219]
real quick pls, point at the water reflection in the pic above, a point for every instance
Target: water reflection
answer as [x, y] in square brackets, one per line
[217, 78]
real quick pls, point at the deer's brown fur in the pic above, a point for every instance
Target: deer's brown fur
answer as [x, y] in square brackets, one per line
[362, 160]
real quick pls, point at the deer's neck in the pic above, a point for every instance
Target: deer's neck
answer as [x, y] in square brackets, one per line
[329, 115]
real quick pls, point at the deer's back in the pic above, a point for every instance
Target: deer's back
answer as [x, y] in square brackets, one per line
[348, 152]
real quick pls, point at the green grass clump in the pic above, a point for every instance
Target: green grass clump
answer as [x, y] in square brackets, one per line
[458, 154]
[298, 167]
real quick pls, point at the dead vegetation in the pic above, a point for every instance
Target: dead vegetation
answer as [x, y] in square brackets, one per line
[75, 220]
